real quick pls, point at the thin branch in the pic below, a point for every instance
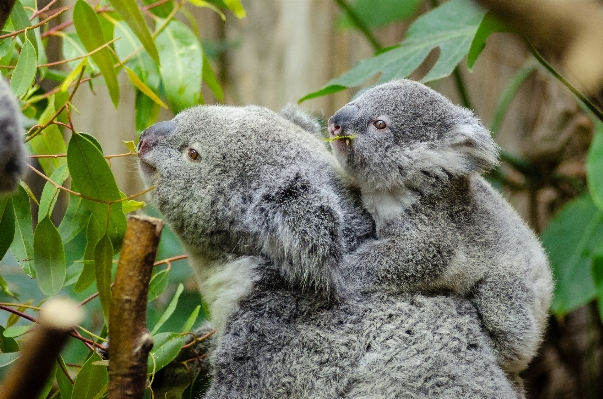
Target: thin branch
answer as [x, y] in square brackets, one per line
[170, 260]
[18, 32]
[40, 11]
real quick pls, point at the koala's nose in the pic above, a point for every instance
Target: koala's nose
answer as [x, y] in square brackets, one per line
[341, 118]
[149, 134]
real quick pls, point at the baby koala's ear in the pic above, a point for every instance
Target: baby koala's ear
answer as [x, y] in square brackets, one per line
[476, 146]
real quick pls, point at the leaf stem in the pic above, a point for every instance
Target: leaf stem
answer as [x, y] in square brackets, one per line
[356, 20]
[565, 82]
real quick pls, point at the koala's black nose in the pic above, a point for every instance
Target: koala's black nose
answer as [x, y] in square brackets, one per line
[158, 129]
[340, 120]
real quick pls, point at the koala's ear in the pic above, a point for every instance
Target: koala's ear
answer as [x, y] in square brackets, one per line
[476, 146]
[301, 232]
[301, 118]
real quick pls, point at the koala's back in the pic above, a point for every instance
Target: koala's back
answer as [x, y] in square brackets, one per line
[285, 344]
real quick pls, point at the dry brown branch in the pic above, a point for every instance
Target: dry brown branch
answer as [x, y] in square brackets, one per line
[571, 29]
[39, 354]
[130, 341]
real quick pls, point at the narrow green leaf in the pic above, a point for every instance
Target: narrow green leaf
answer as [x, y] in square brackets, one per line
[144, 88]
[73, 74]
[191, 320]
[103, 260]
[181, 67]
[49, 257]
[330, 89]
[571, 240]
[21, 20]
[597, 273]
[209, 77]
[4, 286]
[236, 7]
[7, 225]
[94, 178]
[65, 386]
[49, 141]
[88, 275]
[91, 379]
[131, 206]
[50, 193]
[22, 246]
[169, 310]
[166, 347]
[490, 24]
[379, 13]
[131, 13]
[158, 284]
[88, 27]
[594, 166]
[25, 71]
[147, 111]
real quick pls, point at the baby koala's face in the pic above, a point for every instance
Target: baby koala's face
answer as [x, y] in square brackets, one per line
[395, 134]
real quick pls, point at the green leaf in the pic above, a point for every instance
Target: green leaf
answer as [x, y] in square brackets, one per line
[49, 141]
[93, 177]
[379, 13]
[65, 386]
[88, 275]
[15, 331]
[158, 284]
[22, 246]
[75, 219]
[7, 225]
[4, 286]
[169, 310]
[7, 344]
[236, 7]
[181, 65]
[8, 358]
[147, 111]
[49, 258]
[131, 13]
[91, 379]
[21, 20]
[209, 77]
[490, 24]
[191, 320]
[597, 273]
[50, 194]
[88, 27]
[451, 27]
[103, 261]
[25, 71]
[166, 347]
[329, 89]
[594, 166]
[143, 87]
[571, 240]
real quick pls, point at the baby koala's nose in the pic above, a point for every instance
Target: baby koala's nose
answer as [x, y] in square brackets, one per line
[334, 128]
[152, 132]
[342, 118]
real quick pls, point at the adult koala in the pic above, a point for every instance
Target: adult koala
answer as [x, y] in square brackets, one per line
[12, 151]
[268, 220]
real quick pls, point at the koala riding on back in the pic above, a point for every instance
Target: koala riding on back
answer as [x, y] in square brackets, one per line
[417, 158]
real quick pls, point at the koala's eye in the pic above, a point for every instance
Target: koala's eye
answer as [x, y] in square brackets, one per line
[379, 124]
[193, 154]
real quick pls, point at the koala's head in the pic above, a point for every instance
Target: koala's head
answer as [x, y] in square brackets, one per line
[246, 181]
[403, 134]
[13, 159]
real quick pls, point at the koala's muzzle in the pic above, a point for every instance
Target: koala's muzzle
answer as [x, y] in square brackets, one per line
[150, 135]
[341, 120]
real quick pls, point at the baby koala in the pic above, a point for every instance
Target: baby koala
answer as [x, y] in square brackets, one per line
[441, 227]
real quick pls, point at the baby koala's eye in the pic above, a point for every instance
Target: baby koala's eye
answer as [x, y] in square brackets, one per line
[193, 154]
[379, 124]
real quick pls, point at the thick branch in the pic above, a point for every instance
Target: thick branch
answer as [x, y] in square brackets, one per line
[571, 29]
[130, 341]
[38, 355]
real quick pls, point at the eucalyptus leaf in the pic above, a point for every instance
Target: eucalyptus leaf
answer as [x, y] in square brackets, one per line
[169, 310]
[50, 193]
[166, 347]
[87, 26]
[103, 261]
[158, 284]
[7, 225]
[49, 257]
[22, 246]
[25, 71]
[130, 12]
[49, 141]
[91, 379]
[88, 275]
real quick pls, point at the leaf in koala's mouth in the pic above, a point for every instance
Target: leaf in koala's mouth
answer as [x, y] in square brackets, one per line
[335, 138]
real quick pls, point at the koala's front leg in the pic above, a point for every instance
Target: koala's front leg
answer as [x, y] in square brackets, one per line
[402, 262]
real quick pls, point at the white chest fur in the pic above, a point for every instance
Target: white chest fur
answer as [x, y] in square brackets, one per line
[387, 205]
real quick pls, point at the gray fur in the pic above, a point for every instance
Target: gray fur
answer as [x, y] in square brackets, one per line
[441, 226]
[269, 221]
[13, 159]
